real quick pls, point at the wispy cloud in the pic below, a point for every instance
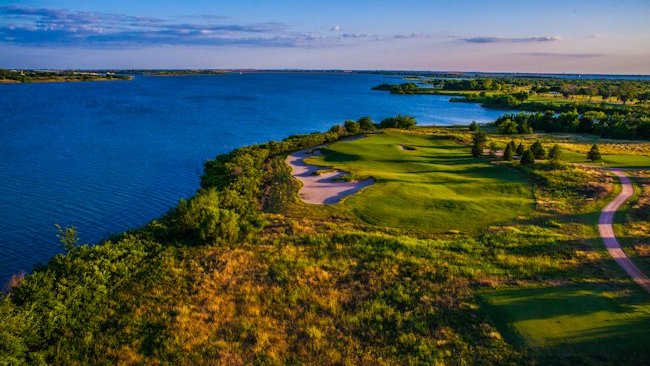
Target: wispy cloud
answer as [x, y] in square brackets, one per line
[60, 27]
[512, 39]
[564, 55]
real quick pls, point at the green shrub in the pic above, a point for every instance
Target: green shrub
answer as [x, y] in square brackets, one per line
[528, 158]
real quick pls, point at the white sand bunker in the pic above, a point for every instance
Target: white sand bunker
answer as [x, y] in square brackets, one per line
[323, 188]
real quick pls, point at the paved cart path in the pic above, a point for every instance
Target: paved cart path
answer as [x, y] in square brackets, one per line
[607, 232]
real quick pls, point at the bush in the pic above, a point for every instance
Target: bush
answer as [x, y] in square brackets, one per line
[508, 127]
[538, 150]
[352, 127]
[202, 218]
[366, 123]
[528, 158]
[508, 153]
[520, 149]
[555, 153]
[478, 143]
[339, 130]
[399, 121]
[594, 153]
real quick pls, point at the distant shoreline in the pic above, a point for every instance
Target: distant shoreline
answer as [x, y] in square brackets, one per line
[9, 81]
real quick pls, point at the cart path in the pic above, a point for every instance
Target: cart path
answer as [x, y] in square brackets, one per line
[607, 232]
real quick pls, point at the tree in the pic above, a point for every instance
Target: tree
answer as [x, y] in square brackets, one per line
[351, 127]
[399, 121]
[508, 152]
[555, 153]
[478, 143]
[67, 237]
[366, 123]
[473, 127]
[493, 149]
[538, 150]
[528, 158]
[521, 149]
[508, 127]
[338, 129]
[594, 153]
[513, 145]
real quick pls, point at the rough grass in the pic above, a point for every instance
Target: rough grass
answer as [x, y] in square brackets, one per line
[435, 186]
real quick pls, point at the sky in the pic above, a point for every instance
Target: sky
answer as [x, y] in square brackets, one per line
[569, 36]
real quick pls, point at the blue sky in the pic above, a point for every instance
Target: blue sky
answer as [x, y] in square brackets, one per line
[550, 36]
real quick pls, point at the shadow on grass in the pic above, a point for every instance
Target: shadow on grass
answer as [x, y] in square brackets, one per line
[591, 323]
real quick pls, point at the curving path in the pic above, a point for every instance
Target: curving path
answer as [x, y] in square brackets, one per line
[607, 232]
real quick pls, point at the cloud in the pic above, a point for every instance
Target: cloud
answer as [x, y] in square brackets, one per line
[59, 27]
[335, 28]
[512, 40]
[412, 36]
[356, 35]
[564, 55]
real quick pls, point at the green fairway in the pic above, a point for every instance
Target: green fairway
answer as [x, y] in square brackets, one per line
[428, 183]
[587, 318]
[609, 160]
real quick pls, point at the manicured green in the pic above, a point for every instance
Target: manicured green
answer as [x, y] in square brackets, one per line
[588, 317]
[436, 187]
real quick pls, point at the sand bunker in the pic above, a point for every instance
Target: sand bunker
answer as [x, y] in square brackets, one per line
[323, 188]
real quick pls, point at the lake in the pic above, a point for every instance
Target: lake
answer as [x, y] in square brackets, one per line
[109, 156]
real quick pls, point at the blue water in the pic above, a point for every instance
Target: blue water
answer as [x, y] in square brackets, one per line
[108, 156]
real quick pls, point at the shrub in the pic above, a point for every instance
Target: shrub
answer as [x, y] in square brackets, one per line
[508, 127]
[338, 129]
[202, 218]
[366, 123]
[478, 143]
[538, 150]
[508, 153]
[399, 121]
[528, 158]
[351, 127]
[555, 153]
[520, 149]
[594, 153]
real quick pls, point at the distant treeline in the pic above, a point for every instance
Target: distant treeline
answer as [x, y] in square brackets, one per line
[613, 125]
[25, 76]
[553, 113]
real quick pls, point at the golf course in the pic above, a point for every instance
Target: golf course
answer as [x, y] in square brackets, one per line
[427, 184]
[372, 243]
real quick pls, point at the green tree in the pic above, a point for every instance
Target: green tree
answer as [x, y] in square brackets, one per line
[366, 123]
[538, 150]
[513, 145]
[67, 237]
[555, 153]
[594, 153]
[521, 149]
[473, 127]
[493, 149]
[528, 158]
[508, 127]
[338, 129]
[508, 152]
[478, 143]
[351, 127]
[399, 121]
